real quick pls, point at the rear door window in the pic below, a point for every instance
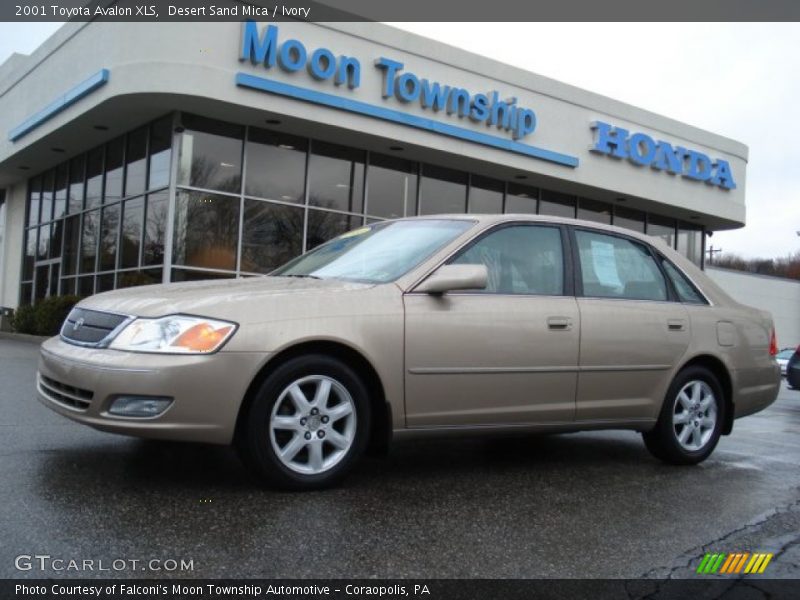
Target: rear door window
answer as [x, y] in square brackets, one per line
[616, 267]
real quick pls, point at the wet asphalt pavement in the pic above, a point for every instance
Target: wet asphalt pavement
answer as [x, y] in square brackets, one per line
[580, 505]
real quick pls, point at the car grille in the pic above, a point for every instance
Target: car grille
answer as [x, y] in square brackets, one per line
[90, 327]
[67, 395]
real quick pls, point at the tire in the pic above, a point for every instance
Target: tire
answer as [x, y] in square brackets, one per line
[696, 397]
[307, 424]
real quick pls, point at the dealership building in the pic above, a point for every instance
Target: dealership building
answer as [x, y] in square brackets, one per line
[135, 153]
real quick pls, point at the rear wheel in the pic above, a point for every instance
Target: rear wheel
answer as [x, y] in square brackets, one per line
[690, 423]
[307, 424]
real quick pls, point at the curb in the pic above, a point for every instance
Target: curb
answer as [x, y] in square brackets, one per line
[23, 337]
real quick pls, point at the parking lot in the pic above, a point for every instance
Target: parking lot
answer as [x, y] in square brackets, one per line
[581, 505]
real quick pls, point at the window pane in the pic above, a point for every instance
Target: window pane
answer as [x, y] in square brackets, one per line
[71, 235]
[186, 275]
[520, 260]
[131, 240]
[86, 286]
[272, 235]
[57, 233]
[614, 267]
[521, 199]
[105, 283]
[48, 182]
[114, 151]
[663, 228]
[323, 226]
[126, 279]
[34, 198]
[557, 204]
[30, 254]
[206, 230]
[155, 228]
[629, 219]
[443, 191]
[94, 178]
[485, 195]
[592, 210]
[160, 153]
[42, 283]
[276, 166]
[62, 185]
[91, 226]
[136, 162]
[211, 154]
[391, 187]
[108, 238]
[44, 242]
[686, 291]
[68, 286]
[336, 177]
[76, 172]
[25, 292]
[690, 242]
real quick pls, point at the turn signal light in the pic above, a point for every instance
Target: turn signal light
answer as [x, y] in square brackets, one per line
[202, 337]
[773, 344]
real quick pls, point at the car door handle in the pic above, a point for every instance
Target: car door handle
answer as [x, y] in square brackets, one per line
[676, 324]
[559, 323]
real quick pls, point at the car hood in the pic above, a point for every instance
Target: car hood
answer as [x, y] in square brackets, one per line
[218, 298]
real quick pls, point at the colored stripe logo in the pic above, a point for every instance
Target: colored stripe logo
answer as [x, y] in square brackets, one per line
[734, 563]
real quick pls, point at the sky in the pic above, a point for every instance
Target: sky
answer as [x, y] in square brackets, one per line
[735, 79]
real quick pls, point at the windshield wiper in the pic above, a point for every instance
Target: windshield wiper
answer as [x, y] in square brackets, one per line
[308, 276]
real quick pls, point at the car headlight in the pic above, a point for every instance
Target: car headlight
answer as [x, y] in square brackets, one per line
[176, 334]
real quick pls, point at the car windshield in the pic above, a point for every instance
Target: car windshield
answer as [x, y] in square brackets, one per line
[787, 354]
[376, 253]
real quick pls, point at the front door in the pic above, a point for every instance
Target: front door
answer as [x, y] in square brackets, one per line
[504, 355]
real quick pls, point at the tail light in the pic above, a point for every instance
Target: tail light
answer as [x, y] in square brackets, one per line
[773, 344]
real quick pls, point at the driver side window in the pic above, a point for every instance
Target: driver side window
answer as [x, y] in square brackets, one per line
[520, 259]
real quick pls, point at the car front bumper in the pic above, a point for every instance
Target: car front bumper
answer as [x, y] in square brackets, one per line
[206, 390]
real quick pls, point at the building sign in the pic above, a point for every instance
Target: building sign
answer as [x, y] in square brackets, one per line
[398, 87]
[643, 151]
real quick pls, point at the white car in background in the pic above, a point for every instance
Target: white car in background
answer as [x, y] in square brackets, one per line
[783, 359]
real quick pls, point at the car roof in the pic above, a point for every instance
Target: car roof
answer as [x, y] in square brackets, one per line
[490, 219]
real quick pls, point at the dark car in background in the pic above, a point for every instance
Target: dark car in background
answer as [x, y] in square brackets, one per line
[793, 370]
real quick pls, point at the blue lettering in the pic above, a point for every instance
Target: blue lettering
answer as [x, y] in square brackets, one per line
[322, 64]
[526, 123]
[669, 159]
[642, 149]
[407, 87]
[480, 107]
[259, 50]
[459, 102]
[349, 72]
[500, 112]
[391, 67]
[723, 176]
[699, 166]
[292, 55]
[610, 140]
[434, 95]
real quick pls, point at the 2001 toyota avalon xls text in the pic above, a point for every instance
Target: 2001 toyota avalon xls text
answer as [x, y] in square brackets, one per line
[421, 326]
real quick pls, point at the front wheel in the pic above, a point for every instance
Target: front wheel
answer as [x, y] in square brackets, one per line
[690, 423]
[307, 424]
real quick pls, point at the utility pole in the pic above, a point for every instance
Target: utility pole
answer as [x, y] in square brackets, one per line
[711, 252]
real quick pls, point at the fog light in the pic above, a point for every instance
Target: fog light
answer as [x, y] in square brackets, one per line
[139, 406]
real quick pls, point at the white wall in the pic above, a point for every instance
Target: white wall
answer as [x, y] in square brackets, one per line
[779, 296]
[11, 233]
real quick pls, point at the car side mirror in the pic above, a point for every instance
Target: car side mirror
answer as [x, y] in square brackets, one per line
[448, 278]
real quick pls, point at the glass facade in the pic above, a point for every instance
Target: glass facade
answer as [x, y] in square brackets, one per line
[85, 217]
[245, 200]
